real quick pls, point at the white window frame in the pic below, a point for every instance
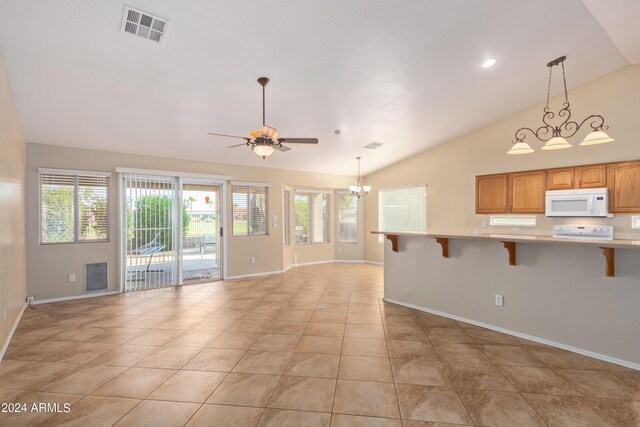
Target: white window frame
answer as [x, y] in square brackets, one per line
[381, 228]
[310, 193]
[347, 192]
[249, 186]
[75, 173]
[512, 220]
[286, 217]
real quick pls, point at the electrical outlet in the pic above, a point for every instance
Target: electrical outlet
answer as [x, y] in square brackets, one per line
[31, 300]
[72, 277]
[515, 228]
[253, 260]
[4, 314]
[499, 300]
[483, 224]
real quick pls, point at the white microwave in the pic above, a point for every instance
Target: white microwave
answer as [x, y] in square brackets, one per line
[585, 202]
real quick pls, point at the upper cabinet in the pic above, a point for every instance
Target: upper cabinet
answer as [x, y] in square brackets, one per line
[526, 192]
[511, 193]
[590, 176]
[491, 194]
[624, 187]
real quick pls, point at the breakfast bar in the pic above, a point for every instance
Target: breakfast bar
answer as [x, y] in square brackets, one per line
[580, 295]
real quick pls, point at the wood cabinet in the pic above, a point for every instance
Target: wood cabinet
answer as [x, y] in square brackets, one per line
[560, 179]
[624, 187]
[521, 192]
[526, 191]
[589, 176]
[491, 194]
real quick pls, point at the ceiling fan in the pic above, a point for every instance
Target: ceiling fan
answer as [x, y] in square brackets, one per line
[264, 141]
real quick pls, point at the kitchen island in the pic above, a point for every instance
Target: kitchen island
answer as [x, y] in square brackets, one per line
[580, 295]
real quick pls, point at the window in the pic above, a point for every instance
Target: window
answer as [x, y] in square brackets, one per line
[402, 209]
[250, 209]
[347, 217]
[312, 217]
[73, 207]
[635, 222]
[513, 220]
[287, 217]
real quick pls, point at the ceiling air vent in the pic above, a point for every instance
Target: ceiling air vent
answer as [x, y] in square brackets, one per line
[143, 24]
[373, 145]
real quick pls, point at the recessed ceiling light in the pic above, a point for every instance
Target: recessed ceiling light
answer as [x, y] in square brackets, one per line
[489, 63]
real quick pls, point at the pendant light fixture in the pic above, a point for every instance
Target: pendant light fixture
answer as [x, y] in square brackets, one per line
[555, 136]
[359, 190]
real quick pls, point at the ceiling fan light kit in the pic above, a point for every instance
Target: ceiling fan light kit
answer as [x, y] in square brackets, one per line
[264, 141]
[555, 136]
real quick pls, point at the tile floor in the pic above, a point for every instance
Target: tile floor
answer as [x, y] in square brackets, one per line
[313, 347]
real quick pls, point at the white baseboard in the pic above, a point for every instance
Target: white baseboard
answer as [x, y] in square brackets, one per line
[97, 294]
[375, 262]
[5, 345]
[584, 352]
[267, 273]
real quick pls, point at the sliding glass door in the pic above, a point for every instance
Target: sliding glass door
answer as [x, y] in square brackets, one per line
[201, 244]
[171, 231]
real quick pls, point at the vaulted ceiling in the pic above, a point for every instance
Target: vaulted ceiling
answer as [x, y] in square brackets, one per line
[403, 73]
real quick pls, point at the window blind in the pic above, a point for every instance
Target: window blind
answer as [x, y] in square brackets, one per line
[73, 208]
[347, 217]
[287, 217]
[250, 209]
[403, 209]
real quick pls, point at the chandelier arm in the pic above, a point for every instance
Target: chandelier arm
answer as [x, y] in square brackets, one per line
[596, 122]
[547, 115]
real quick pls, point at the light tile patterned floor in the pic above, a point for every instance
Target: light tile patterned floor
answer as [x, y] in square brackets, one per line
[313, 347]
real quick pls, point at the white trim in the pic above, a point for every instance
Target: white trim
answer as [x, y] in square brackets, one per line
[584, 352]
[97, 294]
[73, 172]
[251, 184]
[5, 345]
[374, 262]
[171, 173]
[299, 265]
[266, 273]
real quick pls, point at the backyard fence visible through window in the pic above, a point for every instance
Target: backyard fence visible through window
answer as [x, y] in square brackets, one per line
[312, 217]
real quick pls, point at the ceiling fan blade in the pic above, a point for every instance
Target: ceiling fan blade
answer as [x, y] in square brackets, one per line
[298, 140]
[228, 136]
[282, 148]
[237, 145]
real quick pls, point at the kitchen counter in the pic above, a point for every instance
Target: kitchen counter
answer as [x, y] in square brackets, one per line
[521, 238]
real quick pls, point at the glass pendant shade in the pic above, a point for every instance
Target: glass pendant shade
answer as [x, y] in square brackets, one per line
[520, 148]
[366, 188]
[556, 143]
[354, 188]
[596, 137]
[263, 150]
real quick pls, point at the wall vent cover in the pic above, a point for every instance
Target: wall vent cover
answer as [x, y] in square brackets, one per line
[144, 24]
[97, 276]
[373, 145]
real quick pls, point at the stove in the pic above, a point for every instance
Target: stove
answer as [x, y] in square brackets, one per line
[586, 232]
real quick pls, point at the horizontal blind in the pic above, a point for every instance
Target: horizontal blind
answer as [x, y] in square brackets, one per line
[347, 217]
[250, 209]
[57, 207]
[302, 218]
[92, 207]
[403, 209]
[258, 202]
[320, 215]
[287, 217]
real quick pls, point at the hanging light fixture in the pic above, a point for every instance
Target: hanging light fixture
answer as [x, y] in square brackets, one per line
[555, 136]
[359, 190]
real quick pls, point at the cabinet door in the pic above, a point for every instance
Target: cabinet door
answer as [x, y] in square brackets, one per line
[491, 194]
[526, 192]
[592, 176]
[560, 179]
[624, 187]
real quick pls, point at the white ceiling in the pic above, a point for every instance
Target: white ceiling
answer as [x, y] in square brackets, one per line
[404, 73]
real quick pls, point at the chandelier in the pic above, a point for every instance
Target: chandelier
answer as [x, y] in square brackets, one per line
[554, 136]
[359, 190]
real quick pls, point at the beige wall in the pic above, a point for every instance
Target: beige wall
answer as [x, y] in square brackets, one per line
[50, 265]
[449, 169]
[12, 224]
